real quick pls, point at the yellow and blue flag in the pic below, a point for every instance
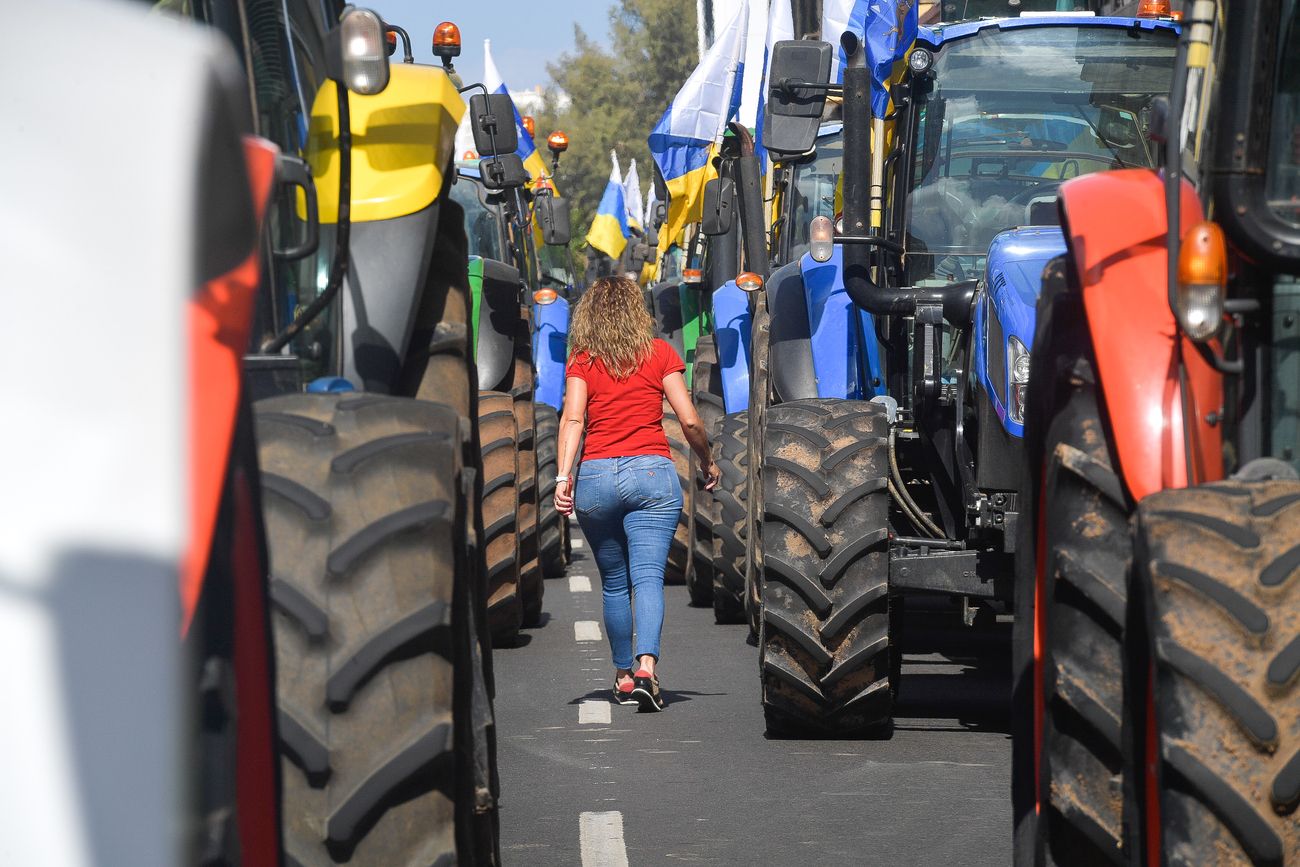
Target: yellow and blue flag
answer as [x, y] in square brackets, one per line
[528, 153]
[887, 29]
[609, 231]
[683, 140]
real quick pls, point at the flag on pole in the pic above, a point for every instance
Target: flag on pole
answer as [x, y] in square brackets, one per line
[780, 26]
[685, 137]
[632, 198]
[751, 86]
[609, 231]
[649, 217]
[888, 29]
[527, 151]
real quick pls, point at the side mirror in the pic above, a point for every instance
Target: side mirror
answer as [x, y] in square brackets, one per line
[493, 117]
[503, 171]
[552, 215]
[652, 236]
[719, 206]
[356, 53]
[794, 108]
[660, 215]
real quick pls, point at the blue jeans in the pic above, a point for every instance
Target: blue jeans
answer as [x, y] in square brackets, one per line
[628, 509]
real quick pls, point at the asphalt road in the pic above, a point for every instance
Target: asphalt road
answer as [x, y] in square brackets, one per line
[700, 783]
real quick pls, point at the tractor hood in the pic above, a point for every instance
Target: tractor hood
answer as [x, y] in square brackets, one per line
[1014, 275]
[1007, 308]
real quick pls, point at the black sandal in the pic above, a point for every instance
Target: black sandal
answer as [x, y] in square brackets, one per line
[645, 690]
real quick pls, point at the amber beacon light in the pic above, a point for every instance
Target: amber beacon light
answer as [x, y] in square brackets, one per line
[1154, 9]
[558, 142]
[446, 40]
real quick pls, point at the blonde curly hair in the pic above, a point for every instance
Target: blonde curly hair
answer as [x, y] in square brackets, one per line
[611, 323]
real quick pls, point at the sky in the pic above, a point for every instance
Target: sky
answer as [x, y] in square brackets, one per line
[525, 35]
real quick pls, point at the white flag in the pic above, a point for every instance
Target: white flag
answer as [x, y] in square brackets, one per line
[756, 43]
[632, 197]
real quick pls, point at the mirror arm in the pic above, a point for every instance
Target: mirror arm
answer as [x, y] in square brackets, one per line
[789, 85]
[871, 241]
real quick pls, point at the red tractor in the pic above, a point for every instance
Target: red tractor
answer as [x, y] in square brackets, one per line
[1158, 574]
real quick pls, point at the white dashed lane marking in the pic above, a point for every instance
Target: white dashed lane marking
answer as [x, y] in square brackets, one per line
[579, 584]
[586, 630]
[594, 712]
[576, 545]
[601, 835]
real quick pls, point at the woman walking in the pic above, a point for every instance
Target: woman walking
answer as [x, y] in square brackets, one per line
[626, 492]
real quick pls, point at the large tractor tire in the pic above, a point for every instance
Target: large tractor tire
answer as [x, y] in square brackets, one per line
[679, 551]
[551, 522]
[824, 643]
[702, 506]
[1215, 613]
[759, 401]
[366, 520]
[531, 588]
[496, 419]
[1085, 549]
[730, 444]
[441, 367]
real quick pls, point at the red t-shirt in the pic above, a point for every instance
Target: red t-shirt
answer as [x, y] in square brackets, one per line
[625, 418]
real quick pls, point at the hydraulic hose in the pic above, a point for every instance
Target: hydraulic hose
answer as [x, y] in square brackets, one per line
[904, 499]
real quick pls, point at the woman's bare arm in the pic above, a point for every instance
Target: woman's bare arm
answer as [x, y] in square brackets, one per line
[698, 438]
[571, 423]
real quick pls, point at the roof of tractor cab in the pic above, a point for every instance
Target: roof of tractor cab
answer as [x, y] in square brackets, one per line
[935, 37]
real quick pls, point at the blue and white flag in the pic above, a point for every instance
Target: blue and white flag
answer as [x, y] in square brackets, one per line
[780, 27]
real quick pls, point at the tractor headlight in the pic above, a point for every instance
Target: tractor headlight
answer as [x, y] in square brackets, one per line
[1017, 380]
[357, 53]
[920, 60]
[1202, 276]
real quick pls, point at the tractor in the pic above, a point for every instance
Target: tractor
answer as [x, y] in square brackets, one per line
[1157, 638]
[890, 360]
[371, 473]
[139, 703]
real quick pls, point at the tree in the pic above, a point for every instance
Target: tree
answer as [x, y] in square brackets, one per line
[617, 96]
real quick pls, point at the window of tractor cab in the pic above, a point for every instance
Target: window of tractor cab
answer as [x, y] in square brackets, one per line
[813, 192]
[1012, 114]
[482, 224]
[1282, 182]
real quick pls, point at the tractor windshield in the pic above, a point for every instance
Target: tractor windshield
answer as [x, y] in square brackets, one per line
[813, 192]
[1010, 115]
[482, 224]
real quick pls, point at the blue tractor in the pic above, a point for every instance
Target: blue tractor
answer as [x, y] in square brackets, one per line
[891, 352]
